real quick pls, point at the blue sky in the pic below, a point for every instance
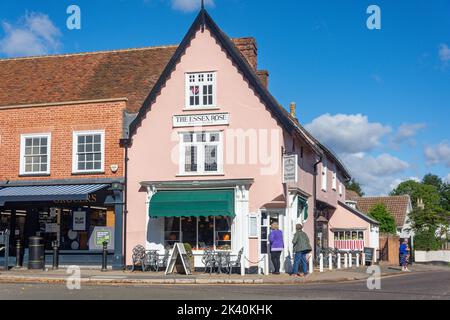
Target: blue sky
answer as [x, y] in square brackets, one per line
[379, 98]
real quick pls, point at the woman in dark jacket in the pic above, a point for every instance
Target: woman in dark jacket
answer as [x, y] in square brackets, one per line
[276, 246]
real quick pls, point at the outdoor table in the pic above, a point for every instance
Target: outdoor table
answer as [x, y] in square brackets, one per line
[152, 258]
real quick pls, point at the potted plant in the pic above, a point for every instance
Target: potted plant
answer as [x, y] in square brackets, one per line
[190, 255]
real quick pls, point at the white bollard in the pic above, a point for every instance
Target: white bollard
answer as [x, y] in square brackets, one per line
[330, 261]
[345, 261]
[321, 262]
[357, 260]
[311, 265]
[338, 260]
[374, 256]
[363, 258]
[350, 260]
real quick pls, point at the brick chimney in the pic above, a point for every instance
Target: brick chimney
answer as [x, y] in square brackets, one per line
[249, 49]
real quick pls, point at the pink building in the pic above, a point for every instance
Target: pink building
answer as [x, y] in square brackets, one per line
[214, 159]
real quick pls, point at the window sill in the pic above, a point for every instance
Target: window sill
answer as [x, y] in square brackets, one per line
[34, 174]
[201, 109]
[87, 173]
[200, 175]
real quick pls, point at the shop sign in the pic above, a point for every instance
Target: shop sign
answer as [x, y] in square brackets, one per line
[92, 198]
[51, 228]
[201, 120]
[79, 221]
[100, 235]
[290, 171]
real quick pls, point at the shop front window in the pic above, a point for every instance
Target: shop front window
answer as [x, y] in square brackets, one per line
[201, 233]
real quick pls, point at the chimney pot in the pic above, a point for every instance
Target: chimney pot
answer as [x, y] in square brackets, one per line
[293, 108]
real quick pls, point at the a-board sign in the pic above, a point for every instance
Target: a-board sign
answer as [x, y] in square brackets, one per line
[368, 252]
[179, 260]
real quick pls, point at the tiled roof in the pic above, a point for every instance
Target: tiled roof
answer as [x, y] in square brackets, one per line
[397, 205]
[90, 76]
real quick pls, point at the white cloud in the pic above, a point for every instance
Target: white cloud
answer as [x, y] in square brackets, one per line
[438, 154]
[406, 132]
[34, 34]
[348, 134]
[189, 5]
[447, 178]
[378, 174]
[444, 53]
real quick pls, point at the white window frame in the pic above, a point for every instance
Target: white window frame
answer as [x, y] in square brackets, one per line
[324, 175]
[200, 154]
[334, 182]
[23, 137]
[200, 84]
[75, 148]
[341, 189]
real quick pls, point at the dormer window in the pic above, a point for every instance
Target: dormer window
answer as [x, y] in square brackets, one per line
[200, 90]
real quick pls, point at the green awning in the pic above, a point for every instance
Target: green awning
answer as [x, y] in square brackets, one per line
[303, 207]
[197, 203]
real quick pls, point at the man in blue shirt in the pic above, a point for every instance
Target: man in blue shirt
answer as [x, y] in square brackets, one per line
[404, 255]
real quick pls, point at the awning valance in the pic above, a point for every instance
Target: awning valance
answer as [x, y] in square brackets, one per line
[195, 203]
[49, 193]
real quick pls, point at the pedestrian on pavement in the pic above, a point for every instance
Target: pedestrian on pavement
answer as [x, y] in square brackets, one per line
[276, 246]
[404, 255]
[302, 247]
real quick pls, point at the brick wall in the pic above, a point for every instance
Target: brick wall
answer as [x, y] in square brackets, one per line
[61, 121]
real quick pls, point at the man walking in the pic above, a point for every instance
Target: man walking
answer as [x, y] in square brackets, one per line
[302, 247]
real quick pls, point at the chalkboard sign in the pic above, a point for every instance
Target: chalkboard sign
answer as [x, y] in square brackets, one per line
[368, 252]
[179, 260]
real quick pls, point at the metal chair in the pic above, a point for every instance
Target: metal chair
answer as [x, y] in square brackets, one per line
[138, 257]
[162, 262]
[150, 260]
[237, 262]
[208, 260]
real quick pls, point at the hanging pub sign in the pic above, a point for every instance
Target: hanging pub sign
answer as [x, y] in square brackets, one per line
[201, 120]
[290, 168]
[79, 221]
[179, 260]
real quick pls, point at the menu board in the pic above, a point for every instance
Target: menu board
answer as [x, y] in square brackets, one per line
[179, 260]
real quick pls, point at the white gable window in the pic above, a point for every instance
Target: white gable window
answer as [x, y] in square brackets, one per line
[334, 182]
[88, 151]
[200, 90]
[35, 154]
[201, 153]
[324, 175]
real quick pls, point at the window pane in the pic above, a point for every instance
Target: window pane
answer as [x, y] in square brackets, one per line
[98, 157]
[214, 137]
[43, 167]
[28, 168]
[89, 139]
[211, 158]
[171, 231]
[28, 142]
[89, 157]
[206, 233]
[35, 142]
[89, 165]
[97, 138]
[191, 159]
[201, 137]
[35, 167]
[35, 150]
[97, 165]
[81, 148]
[187, 137]
[28, 151]
[89, 148]
[189, 231]
[97, 147]
[81, 166]
[223, 233]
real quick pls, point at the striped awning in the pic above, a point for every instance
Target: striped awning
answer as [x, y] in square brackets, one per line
[78, 192]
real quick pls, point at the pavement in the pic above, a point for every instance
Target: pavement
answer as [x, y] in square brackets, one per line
[96, 277]
[430, 285]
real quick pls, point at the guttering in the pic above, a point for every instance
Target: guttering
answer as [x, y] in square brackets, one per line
[63, 103]
[126, 144]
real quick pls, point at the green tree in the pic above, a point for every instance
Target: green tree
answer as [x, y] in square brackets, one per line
[354, 186]
[387, 222]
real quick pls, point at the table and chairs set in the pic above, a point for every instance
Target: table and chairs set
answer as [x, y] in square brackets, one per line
[221, 262]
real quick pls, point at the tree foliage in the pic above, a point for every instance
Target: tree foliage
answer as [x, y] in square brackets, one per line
[430, 221]
[387, 222]
[354, 186]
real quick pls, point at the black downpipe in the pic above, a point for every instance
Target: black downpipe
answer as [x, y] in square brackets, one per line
[125, 206]
[315, 206]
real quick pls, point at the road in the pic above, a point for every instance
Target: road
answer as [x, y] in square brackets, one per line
[430, 285]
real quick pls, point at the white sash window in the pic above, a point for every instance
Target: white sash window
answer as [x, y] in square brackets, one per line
[200, 90]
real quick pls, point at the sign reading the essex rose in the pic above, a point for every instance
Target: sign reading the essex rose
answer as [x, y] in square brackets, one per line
[201, 120]
[290, 174]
